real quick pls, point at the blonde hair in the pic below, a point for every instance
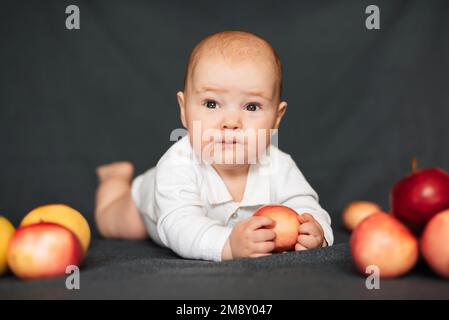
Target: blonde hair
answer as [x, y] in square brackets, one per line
[234, 43]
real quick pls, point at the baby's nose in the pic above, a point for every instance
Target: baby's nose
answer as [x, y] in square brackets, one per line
[232, 122]
[231, 127]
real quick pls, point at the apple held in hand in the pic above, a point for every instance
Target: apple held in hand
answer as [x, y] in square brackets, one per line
[418, 197]
[435, 243]
[381, 240]
[286, 227]
[43, 250]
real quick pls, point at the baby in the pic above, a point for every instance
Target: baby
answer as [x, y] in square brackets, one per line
[200, 198]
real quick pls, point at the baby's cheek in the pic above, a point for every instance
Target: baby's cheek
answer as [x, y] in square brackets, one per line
[258, 148]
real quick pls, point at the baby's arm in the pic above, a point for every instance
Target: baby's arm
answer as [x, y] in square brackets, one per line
[296, 193]
[184, 227]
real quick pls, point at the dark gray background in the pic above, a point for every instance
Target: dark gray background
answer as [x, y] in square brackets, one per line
[361, 103]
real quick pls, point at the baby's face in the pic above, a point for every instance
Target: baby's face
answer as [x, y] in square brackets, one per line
[229, 107]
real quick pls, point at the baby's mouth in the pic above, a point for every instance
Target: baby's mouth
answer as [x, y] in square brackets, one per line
[228, 142]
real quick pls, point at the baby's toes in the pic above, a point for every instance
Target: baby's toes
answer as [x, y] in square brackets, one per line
[122, 169]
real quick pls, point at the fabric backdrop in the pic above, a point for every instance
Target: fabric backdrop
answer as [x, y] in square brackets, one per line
[362, 102]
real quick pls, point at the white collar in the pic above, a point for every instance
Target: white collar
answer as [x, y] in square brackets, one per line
[257, 190]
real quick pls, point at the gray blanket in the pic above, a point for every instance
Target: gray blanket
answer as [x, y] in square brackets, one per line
[141, 270]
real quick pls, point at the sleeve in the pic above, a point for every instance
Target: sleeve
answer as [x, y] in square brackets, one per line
[297, 194]
[182, 221]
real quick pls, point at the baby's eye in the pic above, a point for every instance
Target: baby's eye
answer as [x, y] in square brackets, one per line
[210, 104]
[252, 106]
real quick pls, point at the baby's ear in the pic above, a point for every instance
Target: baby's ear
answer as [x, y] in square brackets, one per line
[182, 109]
[282, 107]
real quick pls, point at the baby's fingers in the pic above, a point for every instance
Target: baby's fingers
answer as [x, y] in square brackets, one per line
[307, 228]
[263, 247]
[262, 235]
[305, 217]
[308, 241]
[259, 222]
[299, 247]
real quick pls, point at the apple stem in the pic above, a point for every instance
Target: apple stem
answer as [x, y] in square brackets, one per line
[414, 164]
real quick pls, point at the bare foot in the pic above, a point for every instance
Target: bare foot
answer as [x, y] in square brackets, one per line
[121, 170]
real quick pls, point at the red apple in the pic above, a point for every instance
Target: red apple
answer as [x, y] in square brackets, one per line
[383, 241]
[418, 197]
[356, 211]
[43, 250]
[435, 243]
[286, 227]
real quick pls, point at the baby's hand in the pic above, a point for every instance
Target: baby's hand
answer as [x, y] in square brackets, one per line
[249, 238]
[311, 234]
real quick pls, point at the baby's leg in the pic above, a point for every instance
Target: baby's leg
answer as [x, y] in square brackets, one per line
[116, 214]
